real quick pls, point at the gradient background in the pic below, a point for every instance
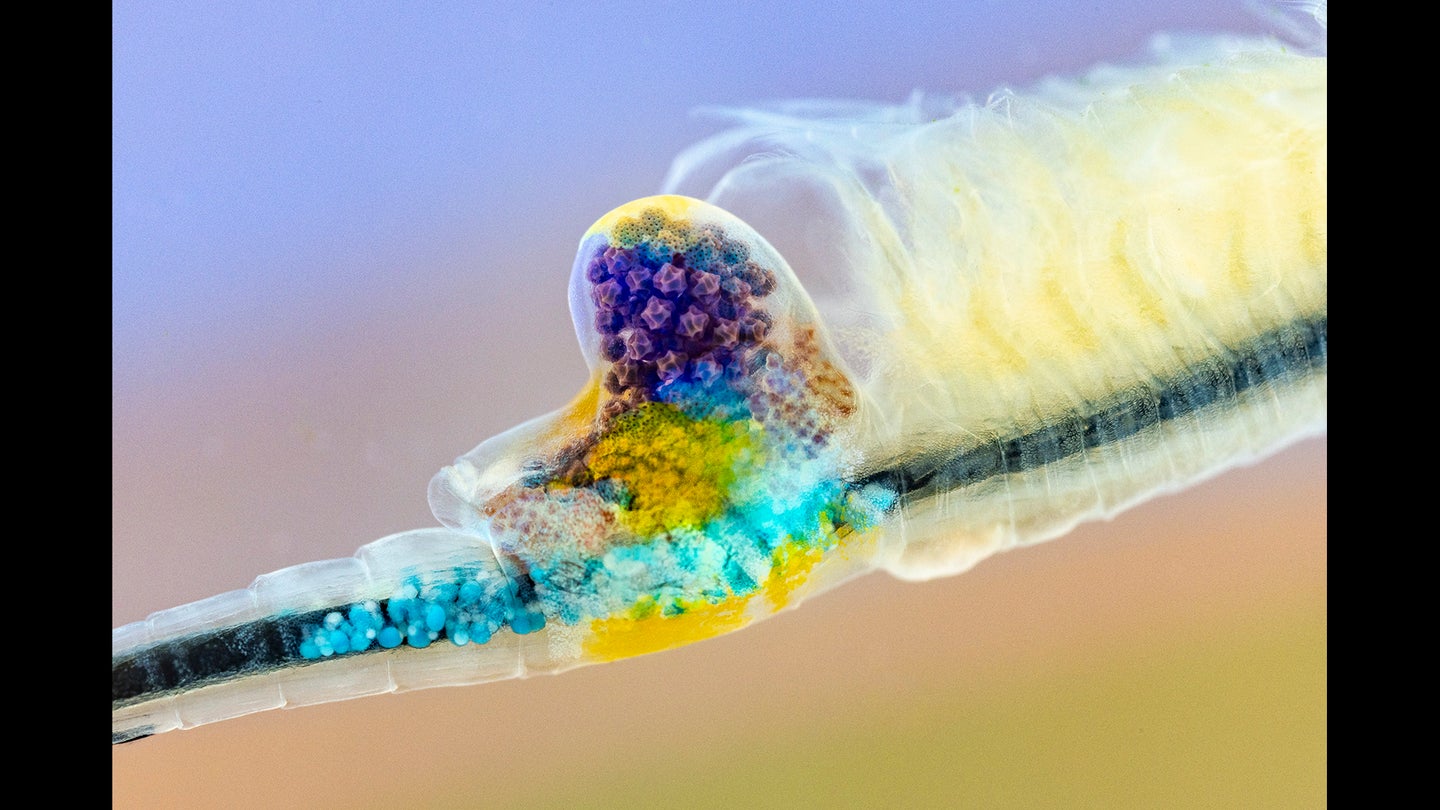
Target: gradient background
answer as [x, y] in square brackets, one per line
[342, 234]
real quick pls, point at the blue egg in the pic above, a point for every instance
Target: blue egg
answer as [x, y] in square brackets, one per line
[389, 638]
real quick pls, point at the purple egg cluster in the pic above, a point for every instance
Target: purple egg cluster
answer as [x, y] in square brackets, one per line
[668, 317]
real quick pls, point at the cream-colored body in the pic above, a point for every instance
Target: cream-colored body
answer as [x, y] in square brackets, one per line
[1032, 259]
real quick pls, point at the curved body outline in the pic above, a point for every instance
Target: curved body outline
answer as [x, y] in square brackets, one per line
[229, 610]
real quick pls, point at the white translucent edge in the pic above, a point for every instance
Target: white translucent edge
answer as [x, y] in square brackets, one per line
[375, 572]
[951, 532]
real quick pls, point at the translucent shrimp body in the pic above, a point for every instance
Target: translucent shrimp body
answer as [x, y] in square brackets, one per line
[698, 483]
[1065, 301]
[1039, 312]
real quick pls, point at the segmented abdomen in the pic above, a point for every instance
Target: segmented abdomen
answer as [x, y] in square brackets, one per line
[431, 607]
[1064, 301]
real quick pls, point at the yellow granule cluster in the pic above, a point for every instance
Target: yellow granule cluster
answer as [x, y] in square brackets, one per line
[676, 469]
[653, 225]
[676, 237]
[628, 232]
